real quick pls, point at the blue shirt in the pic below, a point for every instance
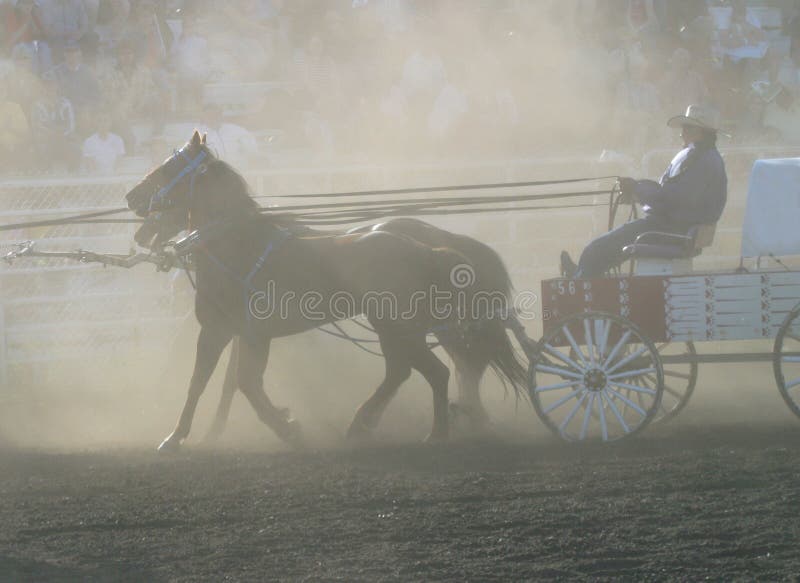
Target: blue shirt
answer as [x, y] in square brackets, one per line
[692, 191]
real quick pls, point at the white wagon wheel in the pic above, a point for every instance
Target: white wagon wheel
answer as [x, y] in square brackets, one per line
[680, 379]
[786, 360]
[595, 390]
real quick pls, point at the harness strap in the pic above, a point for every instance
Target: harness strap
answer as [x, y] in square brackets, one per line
[260, 263]
[247, 283]
[192, 165]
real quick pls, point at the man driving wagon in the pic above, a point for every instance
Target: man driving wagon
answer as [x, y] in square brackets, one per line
[692, 192]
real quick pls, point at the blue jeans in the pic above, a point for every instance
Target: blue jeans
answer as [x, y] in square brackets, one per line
[605, 252]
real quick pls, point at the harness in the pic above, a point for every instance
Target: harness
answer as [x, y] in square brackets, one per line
[198, 243]
[193, 166]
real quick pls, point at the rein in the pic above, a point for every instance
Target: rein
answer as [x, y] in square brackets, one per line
[424, 189]
[73, 219]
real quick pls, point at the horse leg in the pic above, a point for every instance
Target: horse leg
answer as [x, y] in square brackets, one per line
[470, 368]
[397, 372]
[252, 362]
[210, 344]
[229, 387]
[438, 375]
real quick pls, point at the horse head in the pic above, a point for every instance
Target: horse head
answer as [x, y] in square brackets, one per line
[185, 192]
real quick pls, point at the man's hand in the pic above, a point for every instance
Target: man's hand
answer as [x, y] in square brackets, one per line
[627, 187]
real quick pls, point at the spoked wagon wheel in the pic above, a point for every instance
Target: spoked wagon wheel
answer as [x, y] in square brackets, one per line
[786, 360]
[588, 380]
[680, 378]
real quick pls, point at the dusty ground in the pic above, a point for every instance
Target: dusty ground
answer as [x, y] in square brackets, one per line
[678, 503]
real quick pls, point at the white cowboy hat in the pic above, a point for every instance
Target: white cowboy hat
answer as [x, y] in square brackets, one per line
[696, 115]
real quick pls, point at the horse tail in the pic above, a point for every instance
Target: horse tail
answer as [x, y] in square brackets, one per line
[485, 312]
[505, 360]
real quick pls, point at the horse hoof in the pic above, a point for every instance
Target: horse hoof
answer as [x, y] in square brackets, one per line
[169, 445]
[294, 434]
[212, 436]
[358, 431]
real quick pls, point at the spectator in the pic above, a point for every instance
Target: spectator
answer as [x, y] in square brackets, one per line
[148, 30]
[782, 117]
[246, 17]
[64, 22]
[18, 25]
[112, 20]
[782, 113]
[129, 92]
[792, 27]
[316, 72]
[229, 141]
[192, 59]
[318, 134]
[92, 11]
[743, 39]
[674, 15]
[682, 84]
[449, 109]
[637, 106]
[15, 135]
[53, 124]
[424, 71]
[641, 15]
[77, 82]
[103, 149]
[238, 53]
[24, 85]
[788, 71]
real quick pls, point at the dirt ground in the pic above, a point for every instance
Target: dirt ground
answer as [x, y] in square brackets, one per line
[85, 497]
[680, 502]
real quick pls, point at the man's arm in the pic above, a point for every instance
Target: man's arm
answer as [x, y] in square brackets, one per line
[690, 196]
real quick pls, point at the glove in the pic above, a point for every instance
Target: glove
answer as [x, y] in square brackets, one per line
[627, 188]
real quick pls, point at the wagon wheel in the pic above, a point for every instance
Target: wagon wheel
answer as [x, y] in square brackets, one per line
[786, 360]
[599, 394]
[680, 379]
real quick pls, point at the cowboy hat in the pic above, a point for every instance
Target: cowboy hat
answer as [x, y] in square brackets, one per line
[698, 116]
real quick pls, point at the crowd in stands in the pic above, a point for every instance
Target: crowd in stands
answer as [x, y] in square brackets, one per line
[87, 84]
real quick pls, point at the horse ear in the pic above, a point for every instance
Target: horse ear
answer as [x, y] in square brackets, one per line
[205, 137]
[196, 139]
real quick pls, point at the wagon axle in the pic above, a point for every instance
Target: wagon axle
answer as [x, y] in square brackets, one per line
[595, 380]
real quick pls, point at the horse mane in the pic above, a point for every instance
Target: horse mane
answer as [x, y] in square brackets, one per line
[236, 186]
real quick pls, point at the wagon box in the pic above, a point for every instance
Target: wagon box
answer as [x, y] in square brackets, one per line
[688, 308]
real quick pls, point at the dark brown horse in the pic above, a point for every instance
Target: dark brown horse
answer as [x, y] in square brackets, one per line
[471, 356]
[246, 259]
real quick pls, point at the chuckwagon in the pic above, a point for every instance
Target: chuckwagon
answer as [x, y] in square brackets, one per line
[619, 352]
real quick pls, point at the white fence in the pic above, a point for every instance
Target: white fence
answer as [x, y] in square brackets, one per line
[57, 312]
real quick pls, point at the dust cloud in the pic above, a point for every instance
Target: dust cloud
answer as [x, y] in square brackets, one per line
[560, 77]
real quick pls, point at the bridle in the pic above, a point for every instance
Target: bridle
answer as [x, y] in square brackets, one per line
[193, 167]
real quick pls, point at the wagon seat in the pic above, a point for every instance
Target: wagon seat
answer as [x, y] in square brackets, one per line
[658, 253]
